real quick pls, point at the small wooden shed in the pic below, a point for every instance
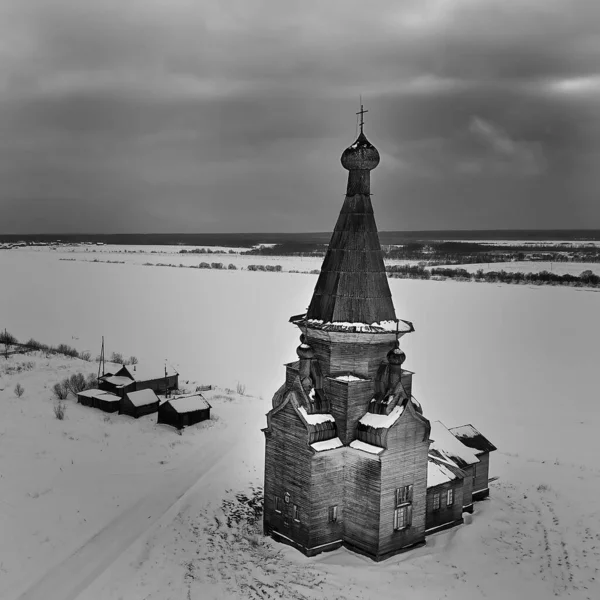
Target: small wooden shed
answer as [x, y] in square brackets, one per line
[106, 401]
[140, 403]
[182, 411]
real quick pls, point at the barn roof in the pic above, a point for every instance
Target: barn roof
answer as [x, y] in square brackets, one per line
[187, 404]
[352, 286]
[117, 380]
[450, 447]
[100, 394]
[142, 397]
[471, 438]
[149, 371]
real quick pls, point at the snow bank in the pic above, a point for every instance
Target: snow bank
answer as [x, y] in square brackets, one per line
[327, 445]
[382, 421]
[315, 419]
[358, 445]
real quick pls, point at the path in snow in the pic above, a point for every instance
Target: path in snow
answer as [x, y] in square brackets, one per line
[68, 579]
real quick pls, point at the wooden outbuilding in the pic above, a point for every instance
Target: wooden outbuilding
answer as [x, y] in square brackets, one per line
[106, 401]
[481, 446]
[182, 411]
[160, 378]
[139, 403]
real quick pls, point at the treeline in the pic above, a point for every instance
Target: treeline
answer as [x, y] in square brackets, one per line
[290, 249]
[206, 251]
[587, 278]
[276, 268]
[11, 345]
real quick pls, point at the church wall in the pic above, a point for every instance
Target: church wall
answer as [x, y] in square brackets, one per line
[404, 463]
[327, 490]
[287, 469]
[445, 515]
[362, 478]
[467, 488]
[349, 401]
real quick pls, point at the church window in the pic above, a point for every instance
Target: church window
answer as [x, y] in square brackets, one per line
[333, 514]
[296, 513]
[403, 517]
[436, 502]
[450, 497]
[277, 504]
[404, 495]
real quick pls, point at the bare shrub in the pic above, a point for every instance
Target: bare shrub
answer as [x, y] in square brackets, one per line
[60, 390]
[87, 356]
[59, 411]
[116, 357]
[543, 487]
[19, 390]
[240, 388]
[133, 360]
[34, 344]
[91, 382]
[75, 384]
[8, 339]
[67, 350]
[232, 267]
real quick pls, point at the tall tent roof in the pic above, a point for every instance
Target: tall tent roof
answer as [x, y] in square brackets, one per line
[352, 286]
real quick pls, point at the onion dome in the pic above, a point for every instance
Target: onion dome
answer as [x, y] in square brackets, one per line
[361, 155]
[396, 356]
[304, 351]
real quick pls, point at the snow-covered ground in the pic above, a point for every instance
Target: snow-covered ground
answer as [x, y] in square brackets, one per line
[112, 507]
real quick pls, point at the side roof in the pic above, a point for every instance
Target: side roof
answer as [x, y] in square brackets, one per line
[451, 447]
[142, 397]
[471, 438]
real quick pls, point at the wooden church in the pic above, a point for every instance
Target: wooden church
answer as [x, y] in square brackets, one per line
[346, 444]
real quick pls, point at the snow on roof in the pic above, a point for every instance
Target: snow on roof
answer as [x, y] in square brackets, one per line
[315, 419]
[470, 437]
[147, 372]
[381, 326]
[349, 377]
[450, 447]
[142, 397]
[118, 380]
[101, 394]
[382, 421]
[358, 445]
[327, 444]
[186, 404]
[437, 473]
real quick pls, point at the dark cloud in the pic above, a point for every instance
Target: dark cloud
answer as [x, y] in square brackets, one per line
[231, 115]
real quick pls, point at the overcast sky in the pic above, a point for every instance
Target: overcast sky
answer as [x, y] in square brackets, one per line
[231, 115]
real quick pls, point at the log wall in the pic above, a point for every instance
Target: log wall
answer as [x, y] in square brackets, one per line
[445, 515]
[403, 463]
[349, 401]
[482, 468]
[362, 479]
[287, 469]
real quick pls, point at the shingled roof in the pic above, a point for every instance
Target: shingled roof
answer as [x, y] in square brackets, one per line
[471, 438]
[352, 286]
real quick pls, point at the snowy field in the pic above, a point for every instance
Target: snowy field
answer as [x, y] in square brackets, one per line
[94, 507]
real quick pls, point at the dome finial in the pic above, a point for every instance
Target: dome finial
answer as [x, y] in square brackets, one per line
[361, 112]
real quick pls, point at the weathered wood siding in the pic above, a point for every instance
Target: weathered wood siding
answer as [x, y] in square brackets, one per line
[327, 489]
[362, 478]
[161, 384]
[349, 402]
[287, 469]
[403, 463]
[445, 515]
[482, 473]
[467, 488]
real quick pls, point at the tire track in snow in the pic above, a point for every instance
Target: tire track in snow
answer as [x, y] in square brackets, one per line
[73, 575]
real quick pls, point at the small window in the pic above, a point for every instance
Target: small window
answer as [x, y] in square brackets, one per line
[277, 504]
[404, 495]
[436, 502]
[450, 497]
[474, 473]
[402, 517]
[296, 513]
[332, 514]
